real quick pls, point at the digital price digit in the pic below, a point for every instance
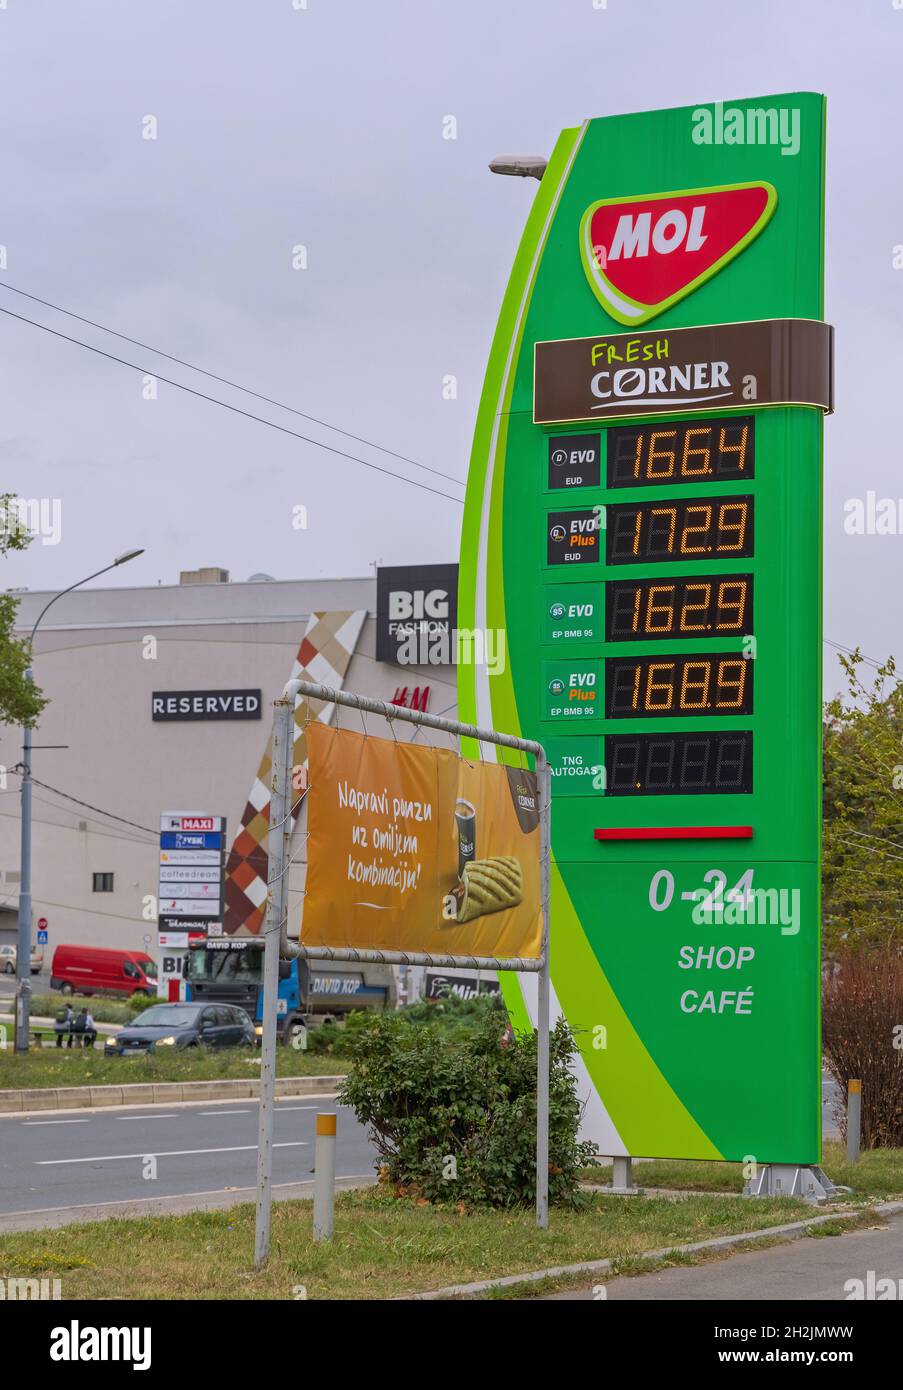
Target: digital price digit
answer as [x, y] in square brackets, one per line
[678, 764]
[647, 686]
[686, 529]
[637, 609]
[689, 452]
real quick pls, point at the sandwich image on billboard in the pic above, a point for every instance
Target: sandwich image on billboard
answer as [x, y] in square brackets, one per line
[413, 849]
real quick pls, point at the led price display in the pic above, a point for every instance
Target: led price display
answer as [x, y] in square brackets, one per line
[637, 609]
[646, 686]
[684, 764]
[693, 452]
[686, 529]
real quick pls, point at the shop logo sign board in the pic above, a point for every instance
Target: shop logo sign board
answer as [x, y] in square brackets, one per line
[643, 254]
[191, 878]
[416, 608]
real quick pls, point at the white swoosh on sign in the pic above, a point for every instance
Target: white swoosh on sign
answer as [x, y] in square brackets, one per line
[663, 401]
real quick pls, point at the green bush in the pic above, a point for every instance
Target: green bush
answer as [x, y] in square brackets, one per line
[332, 1039]
[102, 1010]
[456, 1018]
[455, 1121]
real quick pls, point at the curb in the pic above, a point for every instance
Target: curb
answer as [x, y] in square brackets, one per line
[158, 1093]
[790, 1231]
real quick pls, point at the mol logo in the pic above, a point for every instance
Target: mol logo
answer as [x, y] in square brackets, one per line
[643, 254]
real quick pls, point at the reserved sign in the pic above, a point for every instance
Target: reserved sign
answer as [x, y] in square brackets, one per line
[205, 704]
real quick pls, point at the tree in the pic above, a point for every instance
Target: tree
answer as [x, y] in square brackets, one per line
[862, 880]
[20, 699]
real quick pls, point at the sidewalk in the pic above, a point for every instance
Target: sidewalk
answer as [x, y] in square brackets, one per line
[803, 1271]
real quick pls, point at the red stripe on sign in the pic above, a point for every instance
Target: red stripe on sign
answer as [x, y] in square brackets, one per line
[678, 832]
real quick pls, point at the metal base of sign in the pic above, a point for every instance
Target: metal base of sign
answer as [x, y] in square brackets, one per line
[622, 1184]
[793, 1180]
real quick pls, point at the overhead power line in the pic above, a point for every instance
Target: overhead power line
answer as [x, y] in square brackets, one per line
[851, 651]
[225, 381]
[236, 410]
[87, 805]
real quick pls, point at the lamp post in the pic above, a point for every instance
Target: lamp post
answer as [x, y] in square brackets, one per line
[519, 166]
[23, 950]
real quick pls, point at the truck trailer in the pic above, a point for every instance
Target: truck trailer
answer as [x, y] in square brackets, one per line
[310, 992]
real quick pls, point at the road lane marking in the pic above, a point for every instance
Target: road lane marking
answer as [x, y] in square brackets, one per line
[26, 1123]
[170, 1153]
[224, 1112]
[145, 1117]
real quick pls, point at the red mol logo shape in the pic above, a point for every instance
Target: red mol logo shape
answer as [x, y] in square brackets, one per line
[642, 254]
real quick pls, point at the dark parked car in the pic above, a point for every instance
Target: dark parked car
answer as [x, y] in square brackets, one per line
[183, 1025]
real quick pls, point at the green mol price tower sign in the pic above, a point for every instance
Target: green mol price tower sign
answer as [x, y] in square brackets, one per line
[643, 524]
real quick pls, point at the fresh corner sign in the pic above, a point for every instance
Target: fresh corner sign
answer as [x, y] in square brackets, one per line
[643, 523]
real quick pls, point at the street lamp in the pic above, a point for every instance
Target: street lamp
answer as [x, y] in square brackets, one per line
[23, 950]
[522, 166]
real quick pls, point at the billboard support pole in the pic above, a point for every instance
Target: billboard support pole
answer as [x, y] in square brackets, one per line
[544, 794]
[276, 928]
[277, 902]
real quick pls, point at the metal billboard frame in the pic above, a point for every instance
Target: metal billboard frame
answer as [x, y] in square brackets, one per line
[277, 943]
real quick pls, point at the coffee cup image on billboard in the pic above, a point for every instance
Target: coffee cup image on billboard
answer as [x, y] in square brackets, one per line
[486, 885]
[466, 821]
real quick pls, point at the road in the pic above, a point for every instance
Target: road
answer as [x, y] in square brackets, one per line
[806, 1270]
[76, 1159]
[40, 983]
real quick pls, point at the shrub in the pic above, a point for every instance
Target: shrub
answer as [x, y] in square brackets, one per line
[863, 1039]
[455, 1121]
[455, 1017]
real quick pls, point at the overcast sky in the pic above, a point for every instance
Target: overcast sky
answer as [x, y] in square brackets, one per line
[323, 127]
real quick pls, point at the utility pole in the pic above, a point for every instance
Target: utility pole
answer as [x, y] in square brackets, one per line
[23, 950]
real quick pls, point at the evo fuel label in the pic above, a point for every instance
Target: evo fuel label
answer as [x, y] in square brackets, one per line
[643, 524]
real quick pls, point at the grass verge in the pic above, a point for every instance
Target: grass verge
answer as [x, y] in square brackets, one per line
[879, 1173]
[61, 1067]
[383, 1248]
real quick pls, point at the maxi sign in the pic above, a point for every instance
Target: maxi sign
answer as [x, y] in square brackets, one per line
[644, 522]
[190, 894]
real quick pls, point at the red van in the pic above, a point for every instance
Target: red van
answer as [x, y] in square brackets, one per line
[92, 970]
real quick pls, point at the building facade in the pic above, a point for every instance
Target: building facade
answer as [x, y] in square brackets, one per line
[160, 699]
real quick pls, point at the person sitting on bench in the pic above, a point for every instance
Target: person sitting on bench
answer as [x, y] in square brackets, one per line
[63, 1025]
[84, 1027]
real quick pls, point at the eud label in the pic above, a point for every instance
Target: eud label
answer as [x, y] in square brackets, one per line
[574, 460]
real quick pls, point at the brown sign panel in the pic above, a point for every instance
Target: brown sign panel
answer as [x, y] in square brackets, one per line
[722, 366]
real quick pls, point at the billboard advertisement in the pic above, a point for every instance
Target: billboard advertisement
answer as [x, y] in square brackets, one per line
[661, 357]
[413, 849]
